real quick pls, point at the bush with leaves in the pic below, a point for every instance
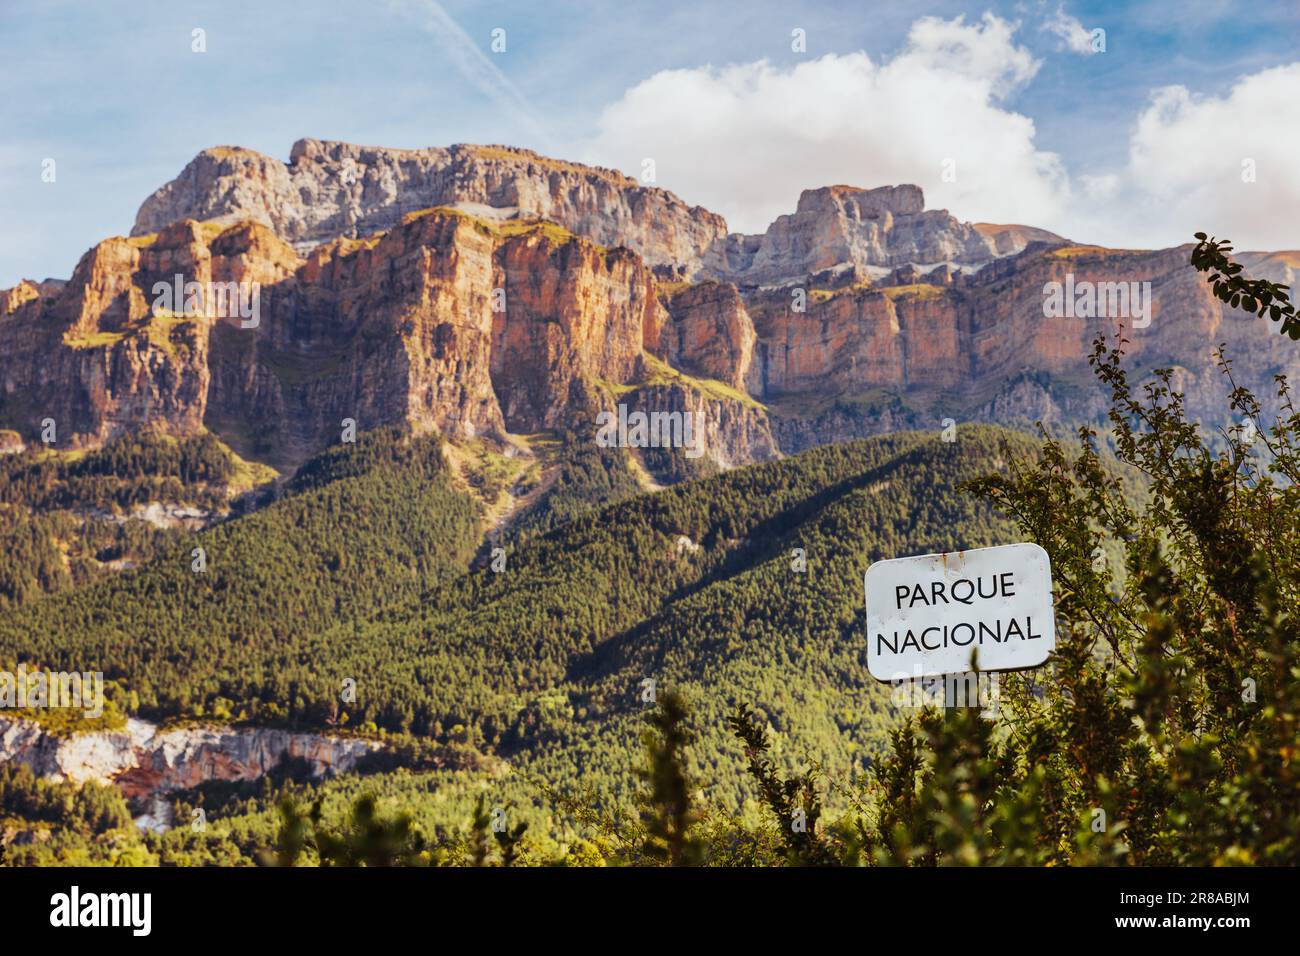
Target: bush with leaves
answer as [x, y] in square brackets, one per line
[368, 839]
[1166, 731]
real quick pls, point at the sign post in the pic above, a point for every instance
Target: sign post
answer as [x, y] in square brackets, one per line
[927, 615]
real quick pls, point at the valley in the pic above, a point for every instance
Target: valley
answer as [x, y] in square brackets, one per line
[442, 557]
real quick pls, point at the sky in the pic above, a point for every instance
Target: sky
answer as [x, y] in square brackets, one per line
[1126, 124]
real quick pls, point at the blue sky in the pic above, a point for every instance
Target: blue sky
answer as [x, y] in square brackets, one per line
[1083, 143]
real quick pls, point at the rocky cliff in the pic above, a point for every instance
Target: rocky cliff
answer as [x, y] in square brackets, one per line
[486, 290]
[330, 189]
[446, 321]
[710, 333]
[872, 358]
[142, 760]
[473, 326]
[94, 358]
[867, 231]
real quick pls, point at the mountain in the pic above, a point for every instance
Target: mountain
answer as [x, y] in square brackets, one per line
[978, 346]
[331, 189]
[448, 321]
[358, 528]
[864, 233]
[489, 293]
[374, 466]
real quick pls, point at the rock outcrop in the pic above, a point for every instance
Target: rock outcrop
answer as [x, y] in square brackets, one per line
[574, 314]
[447, 321]
[142, 760]
[864, 360]
[728, 432]
[488, 290]
[95, 358]
[993, 327]
[870, 230]
[331, 189]
[711, 333]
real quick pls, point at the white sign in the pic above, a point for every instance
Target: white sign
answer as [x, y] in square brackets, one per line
[926, 615]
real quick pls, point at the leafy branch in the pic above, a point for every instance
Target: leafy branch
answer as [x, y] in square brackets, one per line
[1254, 295]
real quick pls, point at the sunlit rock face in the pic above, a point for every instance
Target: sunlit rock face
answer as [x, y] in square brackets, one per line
[331, 189]
[482, 291]
[142, 760]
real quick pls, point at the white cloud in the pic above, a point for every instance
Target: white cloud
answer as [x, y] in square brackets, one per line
[1102, 186]
[746, 139]
[1077, 37]
[1187, 155]
[984, 53]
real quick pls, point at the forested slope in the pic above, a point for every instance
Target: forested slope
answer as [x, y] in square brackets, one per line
[68, 518]
[745, 586]
[362, 528]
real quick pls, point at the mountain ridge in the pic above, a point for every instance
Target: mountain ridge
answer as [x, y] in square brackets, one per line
[541, 292]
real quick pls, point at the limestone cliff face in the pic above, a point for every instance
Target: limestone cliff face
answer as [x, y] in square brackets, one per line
[729, 433]
[99, 356]
[389, 331]
[871, 230]
[331, 189]
[26, 291]
[711, 334]
[851, 341]
[864, 360]
[574, 314]
[539, 290]
[142, 760]
[448, 321]
[993, 326]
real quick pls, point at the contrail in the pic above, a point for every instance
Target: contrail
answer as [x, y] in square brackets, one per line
[475, 65]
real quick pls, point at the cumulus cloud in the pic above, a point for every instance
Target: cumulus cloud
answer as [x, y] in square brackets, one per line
[1077, 37]
[1192, 160]
[746, 139]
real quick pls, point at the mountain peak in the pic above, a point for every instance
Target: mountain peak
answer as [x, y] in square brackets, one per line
[331, 189]
[903, 200]
[871, 232]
